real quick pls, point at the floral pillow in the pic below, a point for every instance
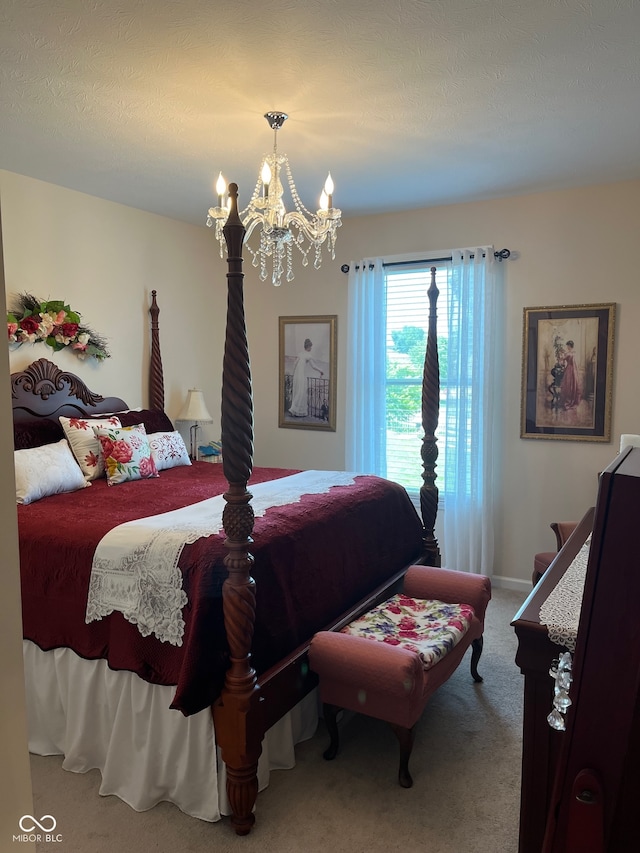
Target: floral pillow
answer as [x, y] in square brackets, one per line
[84, 444]
[47, 470]
[126, 452]
[168, 450]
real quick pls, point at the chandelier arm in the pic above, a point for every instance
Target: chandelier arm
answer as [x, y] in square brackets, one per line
[250, 223]
[315, 231]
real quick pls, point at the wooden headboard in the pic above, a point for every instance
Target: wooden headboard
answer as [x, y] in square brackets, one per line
[42, 390]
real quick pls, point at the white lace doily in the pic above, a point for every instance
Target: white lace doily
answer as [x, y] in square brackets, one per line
[135, 566]
[561, 611]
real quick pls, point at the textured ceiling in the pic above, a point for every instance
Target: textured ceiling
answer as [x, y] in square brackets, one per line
[409, 103]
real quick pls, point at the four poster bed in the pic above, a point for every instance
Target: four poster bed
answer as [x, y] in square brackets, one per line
[322, 549]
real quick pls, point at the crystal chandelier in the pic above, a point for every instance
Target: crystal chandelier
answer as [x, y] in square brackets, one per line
[280, 231]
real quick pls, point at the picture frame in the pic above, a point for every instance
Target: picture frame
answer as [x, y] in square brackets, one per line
[567, 372]
[307, 372]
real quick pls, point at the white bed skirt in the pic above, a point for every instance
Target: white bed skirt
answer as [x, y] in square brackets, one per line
[146, 753]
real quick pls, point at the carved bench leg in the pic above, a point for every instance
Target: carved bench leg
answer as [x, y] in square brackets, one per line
[405, 739]
[330, 713]
[476, 651]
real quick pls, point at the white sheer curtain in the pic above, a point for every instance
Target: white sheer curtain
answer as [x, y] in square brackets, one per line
[365, 439]
[472, 412]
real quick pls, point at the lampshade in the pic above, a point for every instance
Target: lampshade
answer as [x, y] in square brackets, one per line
[195, 408]
[627, 440]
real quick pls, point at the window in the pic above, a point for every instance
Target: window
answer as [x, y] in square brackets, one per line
[388, 322]
[407, 313]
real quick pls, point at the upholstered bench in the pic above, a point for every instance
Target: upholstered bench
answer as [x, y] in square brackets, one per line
[388, 663]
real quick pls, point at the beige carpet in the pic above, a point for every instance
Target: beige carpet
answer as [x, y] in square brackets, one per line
[465, 765]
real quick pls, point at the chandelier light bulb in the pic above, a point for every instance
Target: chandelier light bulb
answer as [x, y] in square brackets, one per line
[265, 176]
[324, 200]
[221, 188]
[328, 188]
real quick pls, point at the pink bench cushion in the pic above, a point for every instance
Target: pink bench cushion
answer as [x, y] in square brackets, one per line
[428, 628]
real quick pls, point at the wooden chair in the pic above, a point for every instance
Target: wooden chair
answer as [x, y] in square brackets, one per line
[542, 560]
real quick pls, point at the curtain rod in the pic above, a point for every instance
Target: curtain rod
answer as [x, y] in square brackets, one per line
[500, 255]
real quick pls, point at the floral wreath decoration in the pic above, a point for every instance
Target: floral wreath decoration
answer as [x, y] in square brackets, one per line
[53, 322]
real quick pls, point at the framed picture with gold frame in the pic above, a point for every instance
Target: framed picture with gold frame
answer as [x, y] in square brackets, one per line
[567, 372]
[307, 397]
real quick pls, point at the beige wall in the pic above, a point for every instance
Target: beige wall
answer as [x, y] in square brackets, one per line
[569, 247]
[104, 259]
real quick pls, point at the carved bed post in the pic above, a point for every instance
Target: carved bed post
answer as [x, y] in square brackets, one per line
[430, 411]
[156, 380]
[238, 732]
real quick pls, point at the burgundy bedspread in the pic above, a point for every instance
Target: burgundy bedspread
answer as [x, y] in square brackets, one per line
[313, 560]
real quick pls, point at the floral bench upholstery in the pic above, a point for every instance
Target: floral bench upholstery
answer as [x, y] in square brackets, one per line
[389, 662]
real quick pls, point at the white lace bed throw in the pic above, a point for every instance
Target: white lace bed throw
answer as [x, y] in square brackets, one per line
[561, 611]
[135, 566]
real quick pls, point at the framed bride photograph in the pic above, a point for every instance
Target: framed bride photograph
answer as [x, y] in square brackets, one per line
[307, 372]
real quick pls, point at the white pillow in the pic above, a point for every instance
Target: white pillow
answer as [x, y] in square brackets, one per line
[84, 444]
[47, 470]
[168, 450]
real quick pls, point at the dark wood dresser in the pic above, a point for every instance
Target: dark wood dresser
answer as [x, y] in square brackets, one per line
[581, 788]
[540, 743]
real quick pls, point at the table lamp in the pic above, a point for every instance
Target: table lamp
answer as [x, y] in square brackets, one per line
[194, 410]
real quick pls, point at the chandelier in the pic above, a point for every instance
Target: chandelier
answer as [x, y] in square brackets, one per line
[280, 231]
